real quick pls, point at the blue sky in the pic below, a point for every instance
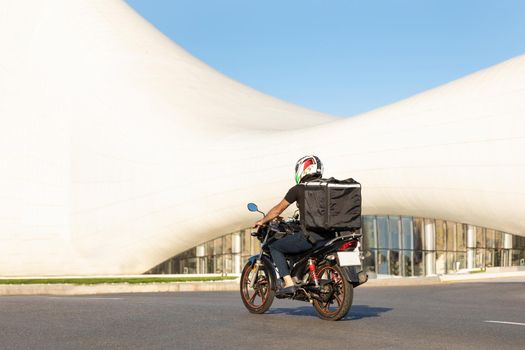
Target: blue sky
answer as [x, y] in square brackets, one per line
[343, 57]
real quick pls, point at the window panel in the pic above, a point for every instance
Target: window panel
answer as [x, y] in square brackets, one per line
[407, 228]
[227, 244]
[518, 242]
[246, 240]
[418, 234]
[461, 260]
[369, 232]
[480, 258]
[209, 248]
[369, 263]
[440, 235]
[432, 267]
[394, 263]
[419, 264]
[489, 257]
[429, 234]
[498, 240]
[451, 262]
[451, 236]
[407, 263]
[382, 232]
[480, 237]
[441, 262]
[382, 262]
[219, 267]
[461, 237]
[227, 261]
[498, 257]
[490, 238]
[518, 257]
[210, 265]
[393, 228]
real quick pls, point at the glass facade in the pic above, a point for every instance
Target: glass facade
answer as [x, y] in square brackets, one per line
[392, 245]
[402, 250]
[224, 255]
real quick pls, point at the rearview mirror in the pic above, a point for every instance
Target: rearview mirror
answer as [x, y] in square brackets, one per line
[252, 207]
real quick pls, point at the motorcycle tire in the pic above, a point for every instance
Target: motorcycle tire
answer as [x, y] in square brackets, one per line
[339, 294]
[259, 298]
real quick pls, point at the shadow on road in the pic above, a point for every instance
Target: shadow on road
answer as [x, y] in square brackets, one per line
[357, 312]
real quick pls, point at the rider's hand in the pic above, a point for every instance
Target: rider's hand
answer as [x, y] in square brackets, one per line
[258, 224]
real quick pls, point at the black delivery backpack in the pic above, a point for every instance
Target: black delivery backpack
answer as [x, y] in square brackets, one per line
[332, 205]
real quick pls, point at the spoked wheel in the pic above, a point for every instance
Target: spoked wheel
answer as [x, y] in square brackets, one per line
[337, 296]
[259, 298]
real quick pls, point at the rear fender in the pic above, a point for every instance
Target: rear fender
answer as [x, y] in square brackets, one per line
[355, 275]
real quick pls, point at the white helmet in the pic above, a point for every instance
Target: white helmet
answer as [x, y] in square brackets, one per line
[306, 166]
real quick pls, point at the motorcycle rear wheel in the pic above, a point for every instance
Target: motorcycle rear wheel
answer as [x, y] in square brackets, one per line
[259, 298]
[339, 303]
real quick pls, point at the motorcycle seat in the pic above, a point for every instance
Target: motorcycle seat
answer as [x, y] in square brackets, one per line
[297, 256]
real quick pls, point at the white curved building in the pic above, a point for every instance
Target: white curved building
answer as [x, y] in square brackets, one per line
[120, 150]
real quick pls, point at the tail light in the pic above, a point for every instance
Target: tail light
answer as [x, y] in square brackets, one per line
[350, 245]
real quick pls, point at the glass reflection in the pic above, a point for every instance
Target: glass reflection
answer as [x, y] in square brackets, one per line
[407, 263]
[490, 238]
[451, 262]
[382, 262]
[382, 232]
[369, 232]
[451, 236]
[394, 262]
[440, 235]
[392, 245]
[480, 258]
[419, 264]
[441, 262]
[418, 233]
[407, 228]
[480, 237]
[369, 263]
[393, 228]
[461, 238]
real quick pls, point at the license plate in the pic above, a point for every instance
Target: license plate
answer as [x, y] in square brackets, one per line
[349, 258]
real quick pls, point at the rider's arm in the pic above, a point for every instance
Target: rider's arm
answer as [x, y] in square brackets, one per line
[273, 213]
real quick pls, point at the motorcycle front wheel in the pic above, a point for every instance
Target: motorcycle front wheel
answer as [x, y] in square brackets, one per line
[259, 298]
[337, 296]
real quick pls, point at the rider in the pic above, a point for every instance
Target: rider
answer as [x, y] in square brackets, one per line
[306, 169]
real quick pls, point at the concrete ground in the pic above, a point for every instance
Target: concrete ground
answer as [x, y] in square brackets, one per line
[475, 315]
[226, 285]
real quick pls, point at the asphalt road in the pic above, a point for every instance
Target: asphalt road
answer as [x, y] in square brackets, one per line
[422, 317]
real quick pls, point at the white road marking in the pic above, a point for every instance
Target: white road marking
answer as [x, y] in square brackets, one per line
[83, 298]
[505, 322]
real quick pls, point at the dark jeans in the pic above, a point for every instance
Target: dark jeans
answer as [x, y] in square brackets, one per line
[295, 243]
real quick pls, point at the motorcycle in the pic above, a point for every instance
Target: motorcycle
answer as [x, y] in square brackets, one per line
[325, 275]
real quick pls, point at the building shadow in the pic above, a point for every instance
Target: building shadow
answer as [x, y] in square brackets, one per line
[357, 312]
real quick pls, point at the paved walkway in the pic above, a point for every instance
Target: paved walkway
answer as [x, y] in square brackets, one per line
[230, 285]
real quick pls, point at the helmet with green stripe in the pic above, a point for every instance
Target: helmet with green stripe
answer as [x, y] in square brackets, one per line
[308, 167]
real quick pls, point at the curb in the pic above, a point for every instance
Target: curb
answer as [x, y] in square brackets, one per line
[217, 286]
[112, 288]
[226, 286]
[400, 282]
[480, 276]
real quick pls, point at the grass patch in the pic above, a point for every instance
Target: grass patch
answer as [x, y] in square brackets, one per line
[101, 280]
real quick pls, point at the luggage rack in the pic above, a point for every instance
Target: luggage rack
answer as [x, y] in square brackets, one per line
[351, 234]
